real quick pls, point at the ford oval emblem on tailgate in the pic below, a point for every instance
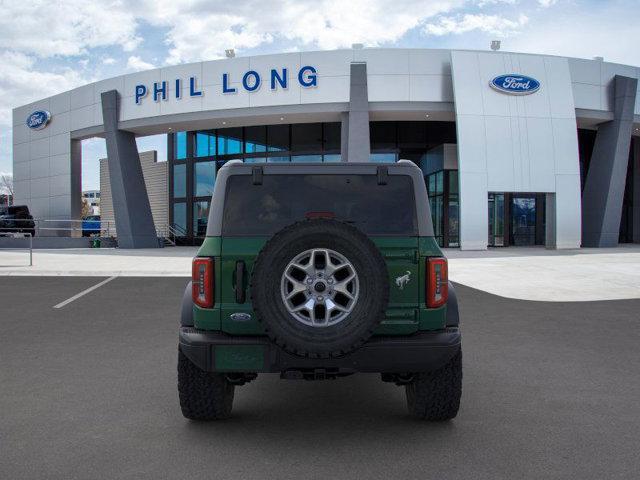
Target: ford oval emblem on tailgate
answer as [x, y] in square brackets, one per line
[240, 317]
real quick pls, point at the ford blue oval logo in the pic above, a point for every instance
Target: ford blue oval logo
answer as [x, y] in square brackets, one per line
[38, 119]
[515, 84]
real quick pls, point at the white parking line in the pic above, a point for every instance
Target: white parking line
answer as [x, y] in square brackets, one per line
[84, 292]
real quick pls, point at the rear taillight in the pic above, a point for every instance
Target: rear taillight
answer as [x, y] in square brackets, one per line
[202, 282]
[437, 282]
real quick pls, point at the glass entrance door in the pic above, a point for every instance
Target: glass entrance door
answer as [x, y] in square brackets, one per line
[496, 220]
[523, 220]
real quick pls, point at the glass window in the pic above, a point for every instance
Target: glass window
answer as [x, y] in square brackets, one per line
[436, 211]
[453, 182]
[278, 137]
[306, 137]
[306, 158]
[205, 144]
[383, 157]
[500, 215]
[200, 218]
[255, 160]
[229, 141]
[204, 177]
[431, 184]
[383, 135]
[180, 216]
[454, 223]
[180, 145]
[496, 219]
[439, 182]
[255, 139]
[333, 157]
[179, 180]
[283, 199]
[332, 132]
[435, 204]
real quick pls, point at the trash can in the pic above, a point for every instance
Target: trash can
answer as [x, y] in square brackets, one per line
[95, 243]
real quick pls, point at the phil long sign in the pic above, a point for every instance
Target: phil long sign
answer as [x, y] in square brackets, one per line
[250, 81]
[515, 84]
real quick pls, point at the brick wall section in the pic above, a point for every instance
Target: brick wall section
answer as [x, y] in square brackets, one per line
[156, 180]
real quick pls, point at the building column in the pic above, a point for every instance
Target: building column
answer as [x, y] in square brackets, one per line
[636, 190]
[75, 157]
[550, 227]
[474, 209]
[358, 148]
[131, 208]
[344, 136]
[605, 183]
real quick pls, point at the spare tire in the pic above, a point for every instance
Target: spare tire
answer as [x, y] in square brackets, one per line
[320, 287]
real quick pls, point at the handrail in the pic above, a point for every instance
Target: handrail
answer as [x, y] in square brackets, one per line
[53, 225]
[15, 235]
[171, 232]
[178, 229]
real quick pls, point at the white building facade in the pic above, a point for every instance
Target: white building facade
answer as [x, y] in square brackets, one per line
[92, 197]
[516, 148]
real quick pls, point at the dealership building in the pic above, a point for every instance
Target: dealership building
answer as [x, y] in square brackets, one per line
[516, 149]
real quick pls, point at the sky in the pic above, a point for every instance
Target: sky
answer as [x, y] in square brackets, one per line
[48, 47]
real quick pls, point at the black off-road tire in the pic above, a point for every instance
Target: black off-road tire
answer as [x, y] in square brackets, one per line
[435, 396]
[305, 340]
[203, 395]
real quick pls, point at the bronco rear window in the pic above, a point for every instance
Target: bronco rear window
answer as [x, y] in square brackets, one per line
[284, 199]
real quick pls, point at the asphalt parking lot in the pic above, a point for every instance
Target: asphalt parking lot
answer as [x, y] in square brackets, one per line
[551, 390]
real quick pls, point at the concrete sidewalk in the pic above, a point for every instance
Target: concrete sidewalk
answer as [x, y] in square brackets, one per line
[550, 275]
[520, 273]
[155, 262]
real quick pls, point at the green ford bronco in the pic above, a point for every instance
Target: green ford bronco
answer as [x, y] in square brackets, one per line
[317, 271]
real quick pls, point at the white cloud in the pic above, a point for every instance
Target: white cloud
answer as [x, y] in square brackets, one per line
[587, 37]
[108, 61]
[484, 3]
[324, 24]
[21, 83]
[203, 29]
[547, 3]
[491, 24]
[71, 27]
[135, 63]
[9, 178]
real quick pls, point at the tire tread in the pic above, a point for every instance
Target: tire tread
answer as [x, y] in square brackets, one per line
[203, 395]
[435, 396]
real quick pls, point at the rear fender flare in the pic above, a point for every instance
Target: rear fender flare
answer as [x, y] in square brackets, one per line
[453, 317]
[186, 314]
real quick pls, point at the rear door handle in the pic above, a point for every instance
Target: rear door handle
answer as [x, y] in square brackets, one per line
[240, 290]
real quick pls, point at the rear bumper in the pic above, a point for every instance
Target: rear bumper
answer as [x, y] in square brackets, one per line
[421, 352]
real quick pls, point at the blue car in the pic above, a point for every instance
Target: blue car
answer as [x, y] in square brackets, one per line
[91, 225]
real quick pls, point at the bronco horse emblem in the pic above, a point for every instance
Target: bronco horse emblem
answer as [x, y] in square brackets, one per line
[402, 280]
